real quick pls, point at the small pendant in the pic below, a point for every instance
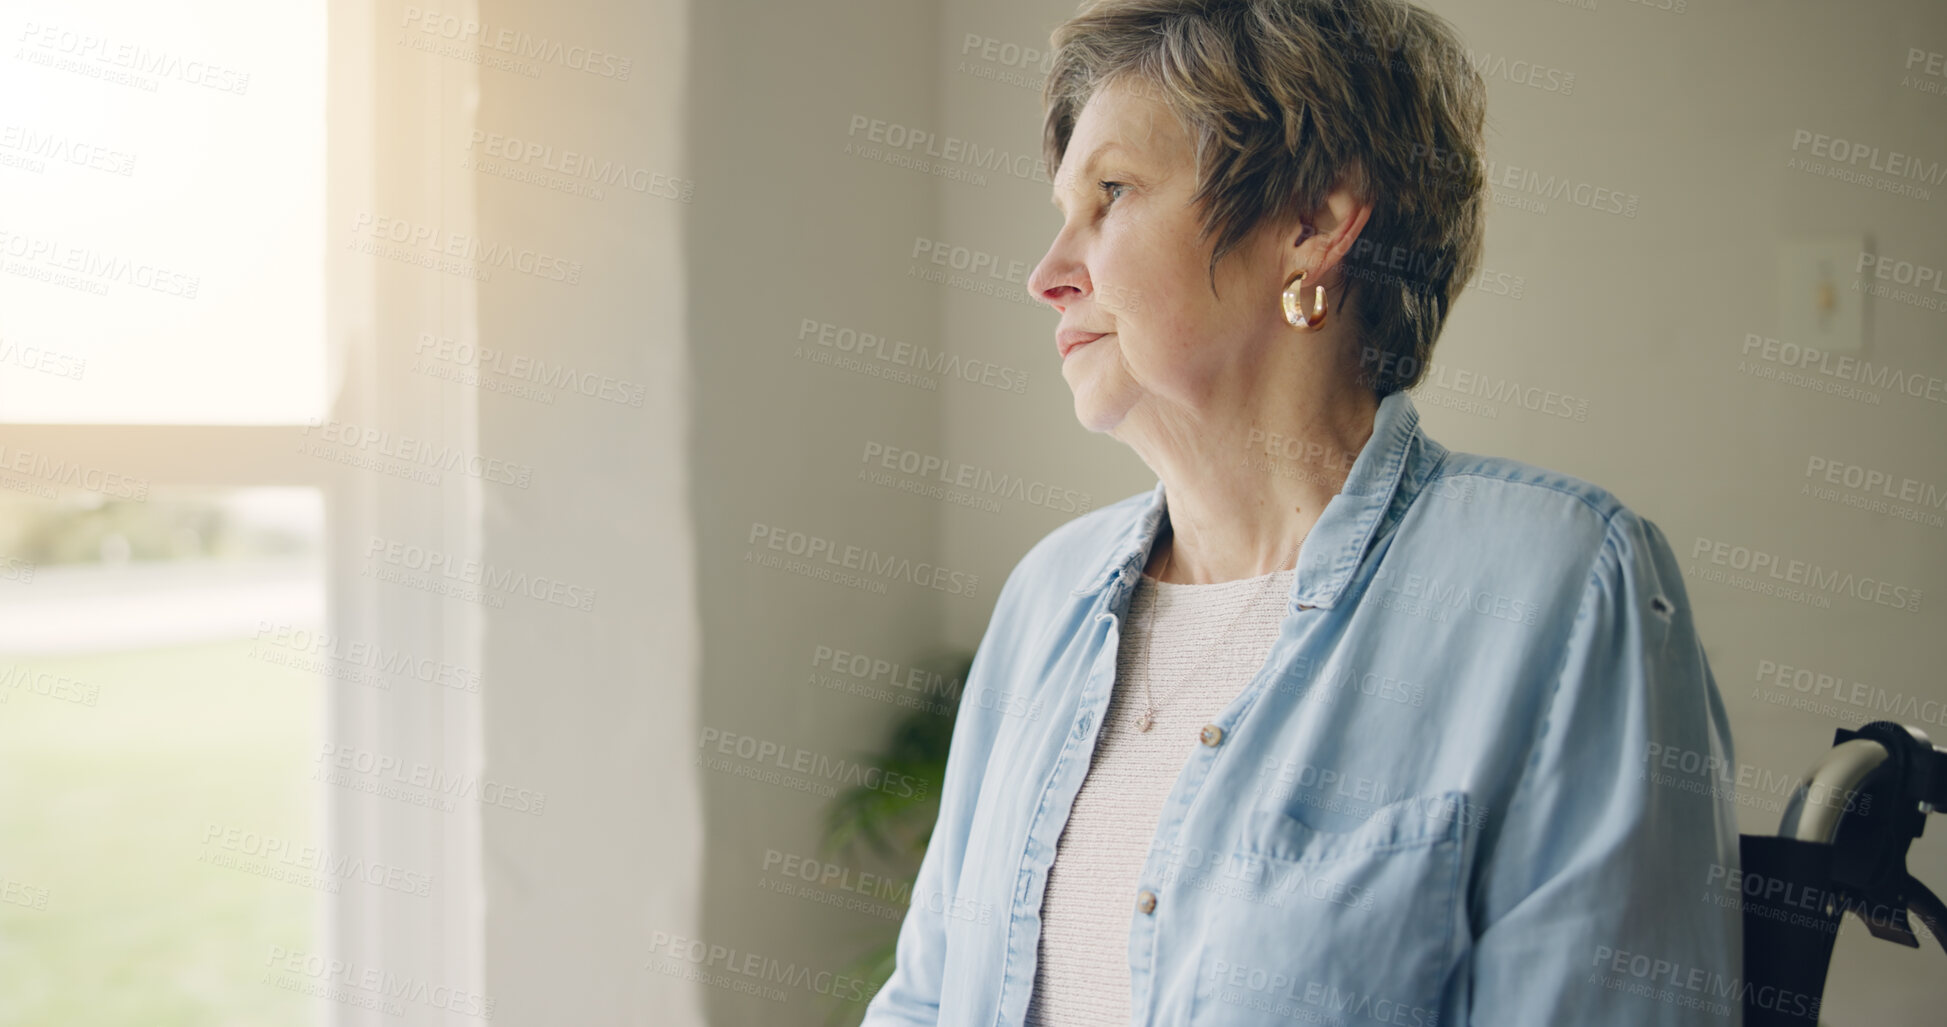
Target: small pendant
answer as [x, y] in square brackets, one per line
[1145, 722]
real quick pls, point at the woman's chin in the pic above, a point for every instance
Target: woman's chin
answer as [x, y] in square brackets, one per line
[1096, 408]
[1104, 392]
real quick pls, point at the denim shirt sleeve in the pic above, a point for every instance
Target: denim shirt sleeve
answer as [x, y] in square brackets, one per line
[1593, 905]
[911, 996]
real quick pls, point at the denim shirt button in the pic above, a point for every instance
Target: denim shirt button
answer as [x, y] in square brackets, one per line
[1146, 901]
[1212, 735]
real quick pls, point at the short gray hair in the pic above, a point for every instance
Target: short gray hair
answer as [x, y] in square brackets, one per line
[1286, 100]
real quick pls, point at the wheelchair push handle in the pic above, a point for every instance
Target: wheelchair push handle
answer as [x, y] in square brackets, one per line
[1868, 799]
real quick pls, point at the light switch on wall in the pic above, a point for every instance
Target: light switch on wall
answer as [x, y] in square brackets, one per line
[1816, 302]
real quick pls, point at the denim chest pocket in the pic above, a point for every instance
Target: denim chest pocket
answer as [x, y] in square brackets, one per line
[1304, 924]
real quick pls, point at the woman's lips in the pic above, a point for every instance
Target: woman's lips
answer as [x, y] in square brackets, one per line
[1069, 342]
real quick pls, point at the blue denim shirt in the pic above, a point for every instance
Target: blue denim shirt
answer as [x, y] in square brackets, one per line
[1477, 780]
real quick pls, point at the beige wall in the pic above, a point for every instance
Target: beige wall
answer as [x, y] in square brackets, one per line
[793, 229]
[590, 707]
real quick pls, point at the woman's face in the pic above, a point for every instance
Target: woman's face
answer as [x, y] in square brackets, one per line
[1127, 262]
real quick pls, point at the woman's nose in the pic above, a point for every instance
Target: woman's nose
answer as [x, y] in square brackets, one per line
[1057, 280]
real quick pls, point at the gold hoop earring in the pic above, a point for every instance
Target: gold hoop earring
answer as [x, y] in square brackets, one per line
[1294, 304]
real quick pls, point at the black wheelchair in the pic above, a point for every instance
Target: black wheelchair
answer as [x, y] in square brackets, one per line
[1841, 849]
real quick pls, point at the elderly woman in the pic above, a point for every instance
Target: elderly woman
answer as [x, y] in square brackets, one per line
[1384, 741]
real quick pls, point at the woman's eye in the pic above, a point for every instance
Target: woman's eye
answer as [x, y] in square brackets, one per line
[1111, 187]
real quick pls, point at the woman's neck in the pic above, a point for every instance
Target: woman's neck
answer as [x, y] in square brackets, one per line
[1241, 509]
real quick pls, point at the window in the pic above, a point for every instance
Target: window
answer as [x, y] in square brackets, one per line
[179, 558]
[163, 232]
[157, 728]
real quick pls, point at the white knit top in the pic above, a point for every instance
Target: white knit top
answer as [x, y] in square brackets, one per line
[1081, 978]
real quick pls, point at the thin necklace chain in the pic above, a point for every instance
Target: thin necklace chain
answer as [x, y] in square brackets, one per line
[1147, 719]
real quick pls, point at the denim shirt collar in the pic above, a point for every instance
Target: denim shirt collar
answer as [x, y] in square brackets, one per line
[1338, 542]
